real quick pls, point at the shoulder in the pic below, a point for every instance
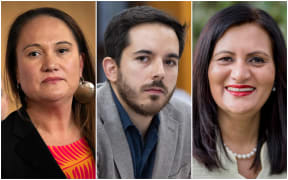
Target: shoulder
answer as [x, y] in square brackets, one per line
[14, 128]
[178, 110]
[15, 120]
[178, 103]
[104, 95]
[199, 171]
[12, 132]
[102, 87]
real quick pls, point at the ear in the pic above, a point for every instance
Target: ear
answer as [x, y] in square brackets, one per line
[82, 57]
[110, 68]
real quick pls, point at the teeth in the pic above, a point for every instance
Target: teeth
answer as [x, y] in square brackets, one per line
[240, 89]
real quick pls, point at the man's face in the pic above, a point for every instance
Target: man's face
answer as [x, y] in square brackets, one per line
[148, 68]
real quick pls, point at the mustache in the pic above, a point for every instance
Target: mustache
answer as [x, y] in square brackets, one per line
[154, 84]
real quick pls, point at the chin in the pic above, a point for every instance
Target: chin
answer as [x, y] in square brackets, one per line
[240, 110]
[151, 110]
[54, 97]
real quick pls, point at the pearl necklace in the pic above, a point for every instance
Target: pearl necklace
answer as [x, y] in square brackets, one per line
[242, 156]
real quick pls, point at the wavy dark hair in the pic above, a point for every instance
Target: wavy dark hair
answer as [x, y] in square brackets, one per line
[84, 113]
[116, 35]
[273, 118]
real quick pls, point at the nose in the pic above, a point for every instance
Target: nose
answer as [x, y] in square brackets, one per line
[158, 70]
[49, 63]
[240, 72]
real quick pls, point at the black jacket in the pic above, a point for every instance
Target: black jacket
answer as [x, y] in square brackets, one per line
[23, 152]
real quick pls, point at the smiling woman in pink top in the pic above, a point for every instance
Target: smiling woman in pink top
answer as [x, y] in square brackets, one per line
[52, 135]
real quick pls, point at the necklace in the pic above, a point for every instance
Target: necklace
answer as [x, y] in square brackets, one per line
[242, 156]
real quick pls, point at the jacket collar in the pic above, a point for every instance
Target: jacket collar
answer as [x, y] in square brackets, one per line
[108, 113]
[168, 135]
[32, 149]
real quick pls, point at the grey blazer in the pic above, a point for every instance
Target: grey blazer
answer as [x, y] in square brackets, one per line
[173, 151]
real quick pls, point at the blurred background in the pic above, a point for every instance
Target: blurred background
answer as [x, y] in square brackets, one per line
[180, 10]
[202, 11]
[82, 12]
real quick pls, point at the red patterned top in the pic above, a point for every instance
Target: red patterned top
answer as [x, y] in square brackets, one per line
[75, 160]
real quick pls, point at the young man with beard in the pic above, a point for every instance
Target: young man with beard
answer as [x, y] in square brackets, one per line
[141, 132]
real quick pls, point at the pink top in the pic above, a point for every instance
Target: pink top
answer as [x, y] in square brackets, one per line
[75, 160]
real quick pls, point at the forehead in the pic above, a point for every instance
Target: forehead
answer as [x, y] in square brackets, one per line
[45, 28]
[248, 36]
[153, 34]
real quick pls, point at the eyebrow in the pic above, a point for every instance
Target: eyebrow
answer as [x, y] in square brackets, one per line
[143, 51]
[173, 55]
[31, 45]
[38, 45]
[224, 51]
[249, 54]
[64, 42]
[259, 52]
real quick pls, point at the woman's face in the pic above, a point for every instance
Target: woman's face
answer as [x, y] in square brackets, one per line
[49, 64]
[242, 71]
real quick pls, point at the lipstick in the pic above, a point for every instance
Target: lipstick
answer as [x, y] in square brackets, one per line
[240, 90]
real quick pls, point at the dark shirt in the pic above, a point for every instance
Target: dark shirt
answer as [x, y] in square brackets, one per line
[143, 153]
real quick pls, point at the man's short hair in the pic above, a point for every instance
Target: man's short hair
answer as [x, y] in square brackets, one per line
[116, 34]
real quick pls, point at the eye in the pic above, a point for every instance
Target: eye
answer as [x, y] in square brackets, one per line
[63, 50]
[33, 54]
[170, 62]
[226, 59]
[142, 58]
[257, 60]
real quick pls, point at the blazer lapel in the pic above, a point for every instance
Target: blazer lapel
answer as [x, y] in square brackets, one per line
[34, 152]
[112, 124]
[167, 142]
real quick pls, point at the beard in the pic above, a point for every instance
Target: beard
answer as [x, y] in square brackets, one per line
[130, 96]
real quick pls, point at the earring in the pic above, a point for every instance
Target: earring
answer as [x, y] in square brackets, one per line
[85, 92]
[274, 89]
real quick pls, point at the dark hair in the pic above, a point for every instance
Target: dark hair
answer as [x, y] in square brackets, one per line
[116, 34]
[273, 114]
[84, 114]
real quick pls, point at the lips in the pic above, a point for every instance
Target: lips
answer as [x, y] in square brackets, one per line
[52, 79]
[155, 90]
[240, 90]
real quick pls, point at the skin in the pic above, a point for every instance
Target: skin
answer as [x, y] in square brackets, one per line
[47, 49]
[151, 56]
[4, 104]
[242, 56]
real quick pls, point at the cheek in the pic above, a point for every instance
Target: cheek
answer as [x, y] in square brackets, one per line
[73, 72]
[266, 77]
[172, 77]
[217, 76]
[26, 72]
[134, 75]
[72, 66]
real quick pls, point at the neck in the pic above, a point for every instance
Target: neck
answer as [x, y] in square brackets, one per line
[239, 132]
[54, 120]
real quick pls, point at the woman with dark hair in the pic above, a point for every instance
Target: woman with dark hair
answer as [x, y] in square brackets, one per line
[53, 134]
[239, 97]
